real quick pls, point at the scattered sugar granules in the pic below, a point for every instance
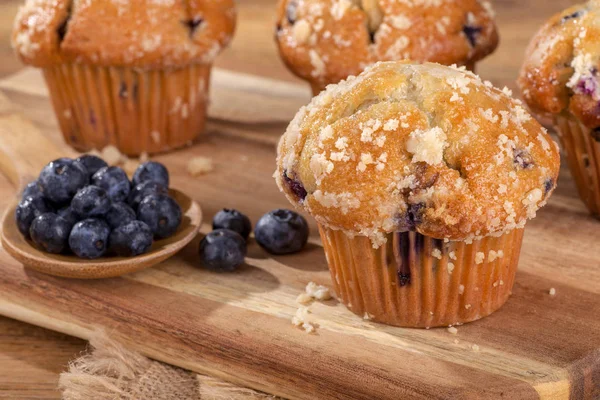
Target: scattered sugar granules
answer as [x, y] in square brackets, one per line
[199, 165]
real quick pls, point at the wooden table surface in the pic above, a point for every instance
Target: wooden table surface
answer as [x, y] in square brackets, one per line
[31, 358]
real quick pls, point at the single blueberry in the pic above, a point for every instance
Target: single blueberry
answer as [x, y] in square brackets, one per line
[115, 181]
[50, 233]
[522, 159]
[281, 232]
[161, 213]
[142, 190]
[222, 250]
[92, 163]
[131, 239]
[89, 238]
[32, 190]
[548, 185]
[119, 214]
[91, 201]
[151, 171]
[27, 210]
[232, 220]
[68, 215]
[61, 179]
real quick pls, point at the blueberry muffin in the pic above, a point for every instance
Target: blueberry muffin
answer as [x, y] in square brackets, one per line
[133, 74]
[325, 41]
[421, 178]
[560, 80]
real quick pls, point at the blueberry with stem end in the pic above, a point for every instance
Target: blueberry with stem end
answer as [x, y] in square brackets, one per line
[89, 238]
[115, 181]
[61, 179]
[161, 213]
[50, 233]
[233, 220]
[222, 250]
[151, 171]
[130, 239]
[27, 210]
[281, 232]
[91, 201]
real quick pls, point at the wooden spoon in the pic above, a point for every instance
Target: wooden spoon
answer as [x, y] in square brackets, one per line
[23, 153]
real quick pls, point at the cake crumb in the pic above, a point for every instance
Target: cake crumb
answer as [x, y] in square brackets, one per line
[479, 257]
[300, 319]
[474, 347]
[461, 289]
[199, 165]
[112, 155]
[552, 292]
[456, 341]
[303, 298]
[144, 157]
[452, 330]
[317, 292]
[450, 268]
[437, 254]
[467, 306]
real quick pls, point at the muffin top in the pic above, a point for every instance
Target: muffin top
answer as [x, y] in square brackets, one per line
[561, 70]
[140, 33]
[327, 40]
[419, 147]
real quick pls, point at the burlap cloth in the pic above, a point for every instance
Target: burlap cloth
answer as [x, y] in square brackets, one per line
[109, 371]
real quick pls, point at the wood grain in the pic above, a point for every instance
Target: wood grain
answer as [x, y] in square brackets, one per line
[31, 357]
[237, 326]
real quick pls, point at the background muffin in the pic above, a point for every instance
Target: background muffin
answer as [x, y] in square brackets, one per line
[325, 41]
[421, 178]
[560, 79]
[131, 74]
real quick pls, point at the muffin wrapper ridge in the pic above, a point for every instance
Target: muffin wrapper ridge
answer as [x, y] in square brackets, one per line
[135, 110]
[583, 157]
[373, 283]
[318, 87]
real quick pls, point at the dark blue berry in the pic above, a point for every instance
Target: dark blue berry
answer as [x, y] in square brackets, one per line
[32, 190]
[27, 210]
[161, 213]
[281, 232]
[151, 171]
[471, 32]
[119, 214]
[131, 239]
[145, 189]
[522, 159]
[50, 233]
[193, 24]
[222, 250]
[92, 164]
[232, 220]
[91, 201]
[61, 179]
[68, 215]
[295, 186]
[115, 181]
[574, 15]
[89, 238]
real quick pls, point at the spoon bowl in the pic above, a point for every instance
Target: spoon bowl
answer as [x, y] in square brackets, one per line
[70, 266]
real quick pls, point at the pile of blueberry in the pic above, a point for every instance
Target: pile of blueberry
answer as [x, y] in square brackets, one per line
[88, 208]
[278, 232]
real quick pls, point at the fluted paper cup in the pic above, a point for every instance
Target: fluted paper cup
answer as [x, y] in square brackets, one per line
[417, 281]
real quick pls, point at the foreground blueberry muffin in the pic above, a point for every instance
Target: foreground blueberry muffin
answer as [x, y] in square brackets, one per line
[325, 41]
[133, 74]
[421, 178]
[560, 79]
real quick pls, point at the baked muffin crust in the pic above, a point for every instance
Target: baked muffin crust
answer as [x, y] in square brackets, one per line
[561, 70]
[327, 40]
[426, 148]
[140, 33]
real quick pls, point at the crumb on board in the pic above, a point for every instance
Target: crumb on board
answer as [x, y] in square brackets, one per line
[474, 347]
[112, 155]
[452, 330]
[199, 165]
[317, 292]
[300, 319]
[456, 341]
[552, 292]
[303, 298]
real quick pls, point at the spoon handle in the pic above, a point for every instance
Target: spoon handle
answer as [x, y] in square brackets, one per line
[24, 150]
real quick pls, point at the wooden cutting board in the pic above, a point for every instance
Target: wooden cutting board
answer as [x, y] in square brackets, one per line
[237, 326]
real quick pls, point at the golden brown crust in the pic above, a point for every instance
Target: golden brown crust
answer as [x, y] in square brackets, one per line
[324, 41]
[560, 73]
[138, 33]
[417, 147]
